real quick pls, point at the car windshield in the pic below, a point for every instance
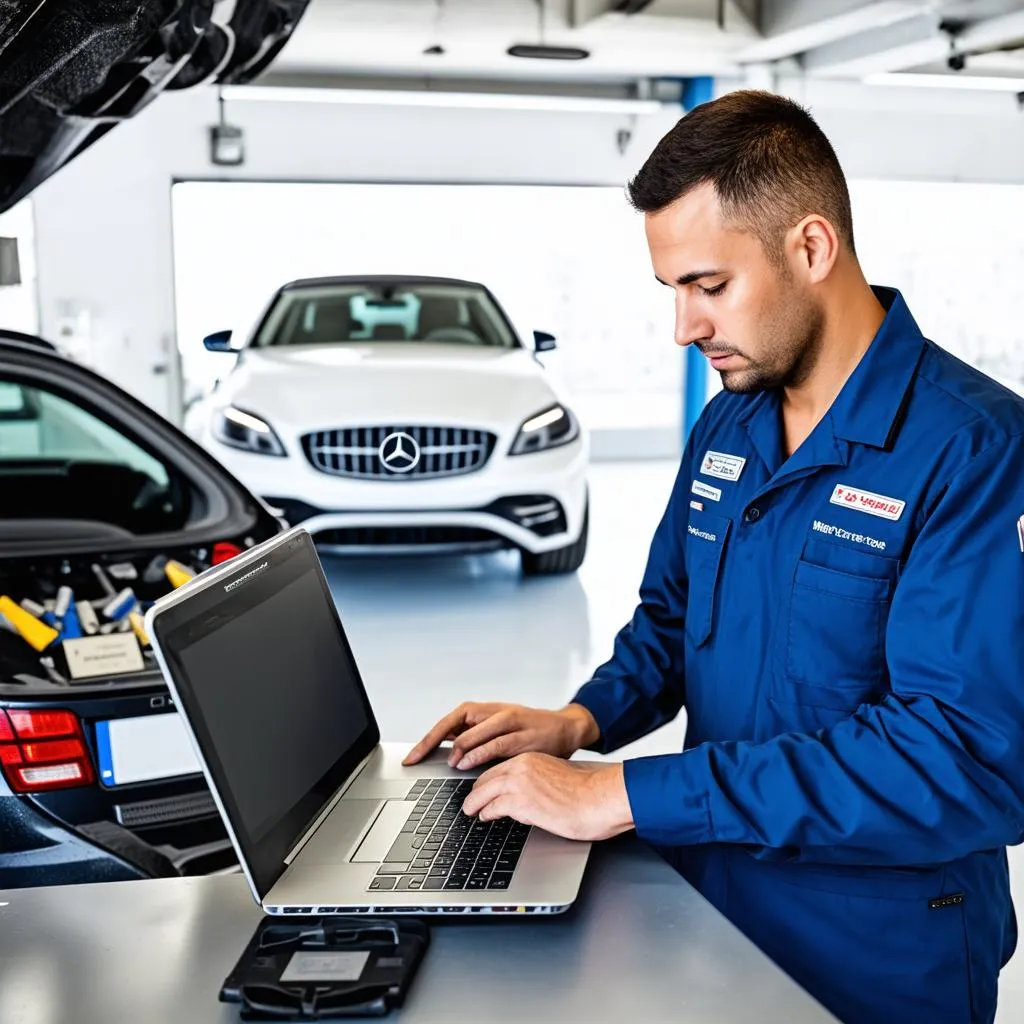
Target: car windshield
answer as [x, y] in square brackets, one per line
[59, 460]
[352, 312]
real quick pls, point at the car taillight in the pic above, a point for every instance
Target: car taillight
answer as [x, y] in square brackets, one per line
[224, 551]
[40, 725]
[42, 750]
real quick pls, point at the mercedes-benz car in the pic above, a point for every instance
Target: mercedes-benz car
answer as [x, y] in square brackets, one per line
[402, 414]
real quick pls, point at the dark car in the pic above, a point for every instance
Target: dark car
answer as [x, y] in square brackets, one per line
[99, 494]
[103, 504]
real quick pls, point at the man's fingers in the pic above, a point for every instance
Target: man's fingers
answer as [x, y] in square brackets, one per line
[483, 793]
[451, 727]
[452, 724]
[505, 746]
[496, 772]
[464, 753]
[504, 807]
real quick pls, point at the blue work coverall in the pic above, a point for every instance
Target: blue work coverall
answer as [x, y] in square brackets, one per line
[845, 629]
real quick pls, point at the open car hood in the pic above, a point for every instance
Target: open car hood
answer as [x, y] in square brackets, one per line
[72, 69]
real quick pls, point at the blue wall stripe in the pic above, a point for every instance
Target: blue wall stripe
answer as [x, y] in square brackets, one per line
[695, 391]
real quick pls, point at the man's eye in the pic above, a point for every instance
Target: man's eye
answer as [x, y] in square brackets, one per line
[717, 290]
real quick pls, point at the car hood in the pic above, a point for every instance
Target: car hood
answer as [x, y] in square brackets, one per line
[320, 387]
[73, 70]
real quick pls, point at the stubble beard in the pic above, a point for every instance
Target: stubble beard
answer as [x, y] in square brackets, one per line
[792, 352]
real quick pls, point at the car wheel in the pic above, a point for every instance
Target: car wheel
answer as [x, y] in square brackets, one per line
[561, 560]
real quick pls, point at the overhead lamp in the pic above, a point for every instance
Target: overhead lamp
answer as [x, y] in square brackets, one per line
[428, 98]
[538, 51]
[977, 83]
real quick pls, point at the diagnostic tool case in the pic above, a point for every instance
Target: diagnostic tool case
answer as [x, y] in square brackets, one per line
[326, 968]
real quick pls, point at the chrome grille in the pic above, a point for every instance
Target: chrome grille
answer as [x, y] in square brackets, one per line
[356, 451]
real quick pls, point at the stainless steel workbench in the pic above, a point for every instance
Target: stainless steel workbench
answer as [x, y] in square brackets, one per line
[641, 945]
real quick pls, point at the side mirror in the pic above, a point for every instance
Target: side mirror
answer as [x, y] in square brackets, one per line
[544, 342]
[219, 342]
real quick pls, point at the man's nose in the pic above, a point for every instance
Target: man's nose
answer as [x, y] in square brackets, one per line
[691, 327]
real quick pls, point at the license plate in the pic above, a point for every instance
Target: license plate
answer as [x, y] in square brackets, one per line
[142, 749]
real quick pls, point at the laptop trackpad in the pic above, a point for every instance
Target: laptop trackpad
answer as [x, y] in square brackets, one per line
[381, 837]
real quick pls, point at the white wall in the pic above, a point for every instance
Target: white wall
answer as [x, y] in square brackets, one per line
[103, 225]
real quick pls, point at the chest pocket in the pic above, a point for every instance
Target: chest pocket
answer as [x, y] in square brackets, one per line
[835, 632]
[705, 545]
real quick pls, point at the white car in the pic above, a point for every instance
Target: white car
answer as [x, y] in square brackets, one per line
[402, 414]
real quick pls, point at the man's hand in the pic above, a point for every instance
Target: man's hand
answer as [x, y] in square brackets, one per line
[574, 799]
[487, 732]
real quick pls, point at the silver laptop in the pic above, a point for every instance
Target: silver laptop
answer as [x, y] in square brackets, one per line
[323, 816]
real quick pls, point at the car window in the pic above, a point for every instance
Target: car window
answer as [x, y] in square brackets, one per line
[437, 314]
[60, 460]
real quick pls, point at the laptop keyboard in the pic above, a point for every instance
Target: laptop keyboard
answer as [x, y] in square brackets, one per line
[441, 848]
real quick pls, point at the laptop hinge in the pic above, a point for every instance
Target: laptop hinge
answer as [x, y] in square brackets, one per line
[342, 789]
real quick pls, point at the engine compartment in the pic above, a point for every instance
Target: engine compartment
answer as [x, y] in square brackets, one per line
[84, 597]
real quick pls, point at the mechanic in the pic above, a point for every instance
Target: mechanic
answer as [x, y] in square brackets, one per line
[835, 595]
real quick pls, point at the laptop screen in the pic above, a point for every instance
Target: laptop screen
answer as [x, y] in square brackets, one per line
[269, 685]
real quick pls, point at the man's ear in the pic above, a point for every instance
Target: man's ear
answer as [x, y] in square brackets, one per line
[813, 248]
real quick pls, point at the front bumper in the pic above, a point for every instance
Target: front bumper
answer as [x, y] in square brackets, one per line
[535, 502]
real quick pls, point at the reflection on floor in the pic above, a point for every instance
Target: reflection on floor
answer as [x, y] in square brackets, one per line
[429, 633]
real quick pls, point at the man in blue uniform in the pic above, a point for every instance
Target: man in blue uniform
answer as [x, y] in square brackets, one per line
[835, 595]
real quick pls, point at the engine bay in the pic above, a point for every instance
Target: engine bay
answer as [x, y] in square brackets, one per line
[77, 622]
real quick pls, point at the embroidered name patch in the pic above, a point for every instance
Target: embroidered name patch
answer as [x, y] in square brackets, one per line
[865, 501]
[725, 467]
[706, 491]
[701, 534]
[857, 538]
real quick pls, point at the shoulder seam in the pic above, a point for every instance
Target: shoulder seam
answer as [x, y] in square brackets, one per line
[978, 415]
[926, 514]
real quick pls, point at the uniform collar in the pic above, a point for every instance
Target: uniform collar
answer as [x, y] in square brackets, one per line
[867, 410]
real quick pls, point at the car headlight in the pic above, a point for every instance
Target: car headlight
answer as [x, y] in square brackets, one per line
[239, 429]
[548, 429]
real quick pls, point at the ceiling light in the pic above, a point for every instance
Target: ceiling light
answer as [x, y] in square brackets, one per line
[424, 98]
[978, 83]
[538, 51]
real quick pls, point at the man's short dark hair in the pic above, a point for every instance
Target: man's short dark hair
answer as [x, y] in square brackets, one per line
[769, 162]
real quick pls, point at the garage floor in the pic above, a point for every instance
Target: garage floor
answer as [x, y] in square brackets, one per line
[429, 633]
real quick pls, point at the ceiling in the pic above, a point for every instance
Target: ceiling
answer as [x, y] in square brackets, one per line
[629, 40]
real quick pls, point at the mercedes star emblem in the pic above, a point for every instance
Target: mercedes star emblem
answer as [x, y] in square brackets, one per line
[399, 452]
